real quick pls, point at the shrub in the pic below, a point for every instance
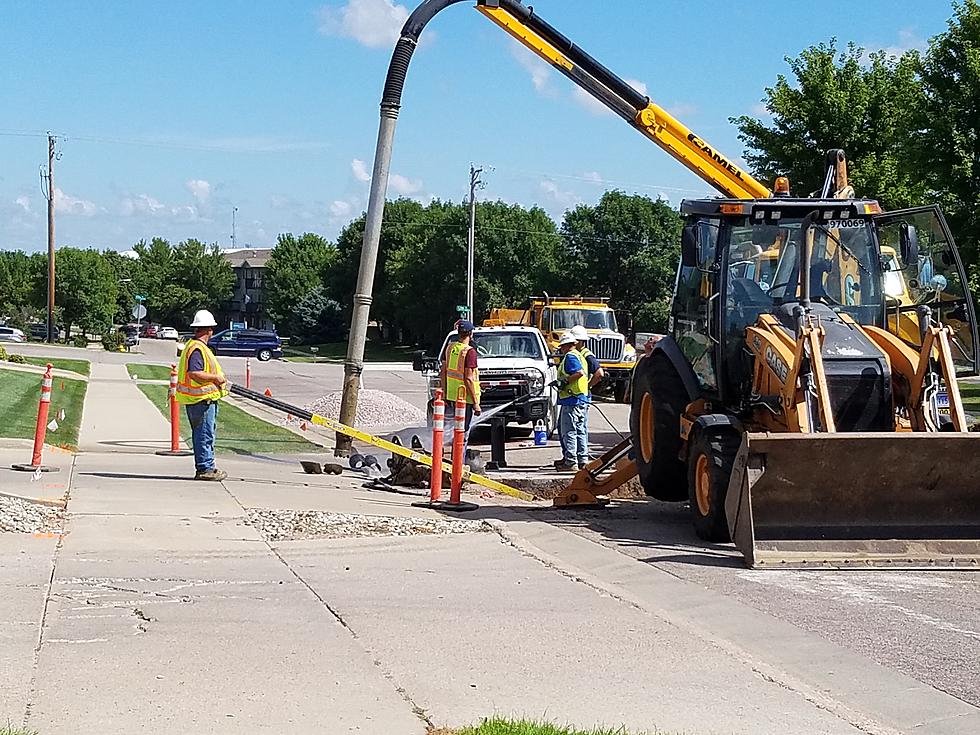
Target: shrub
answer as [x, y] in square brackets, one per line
[3, 353]
[111, 341]
[16, 359]
[80, 340]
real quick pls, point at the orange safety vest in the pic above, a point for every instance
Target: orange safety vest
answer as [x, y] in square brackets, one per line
[188, 389]
[455, 374]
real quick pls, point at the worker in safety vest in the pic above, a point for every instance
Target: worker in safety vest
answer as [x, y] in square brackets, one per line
[593, 368]
[459, 370]
[573, 406]
[200, 385]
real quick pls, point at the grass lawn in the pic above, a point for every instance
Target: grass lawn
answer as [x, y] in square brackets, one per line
[970, 393]
[337, 352]
[525, 727]
[148, 372]
[61, 363]
[238, 432]
[11, 730]
[18, 407]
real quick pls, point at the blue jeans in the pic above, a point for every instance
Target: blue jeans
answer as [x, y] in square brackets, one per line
[203, 417]
[573, 432]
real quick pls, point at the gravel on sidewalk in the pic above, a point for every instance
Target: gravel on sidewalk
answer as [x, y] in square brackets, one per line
[23, 516]
[293, 525]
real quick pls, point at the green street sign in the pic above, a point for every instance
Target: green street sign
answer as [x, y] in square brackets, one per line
[463, 309]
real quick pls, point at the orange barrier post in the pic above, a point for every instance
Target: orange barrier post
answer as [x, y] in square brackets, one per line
[459, 435]
[175, 450]
[40, 428]
[438, 429]
[248, 372]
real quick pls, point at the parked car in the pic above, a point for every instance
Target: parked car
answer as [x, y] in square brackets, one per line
[258, 343]
[167, 333]
[514, 365]
[131, 334]
[39, 330]
[11, 334]
[150, 330]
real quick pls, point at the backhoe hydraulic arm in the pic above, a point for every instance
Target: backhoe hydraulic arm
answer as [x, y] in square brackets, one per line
[615, 93]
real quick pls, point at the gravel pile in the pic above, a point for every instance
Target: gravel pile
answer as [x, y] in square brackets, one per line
[291, 525]
[374, 408]
[21, 516]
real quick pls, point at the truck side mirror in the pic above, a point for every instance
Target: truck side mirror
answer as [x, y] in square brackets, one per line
[689, 247]
[417, 364]
[908, 244]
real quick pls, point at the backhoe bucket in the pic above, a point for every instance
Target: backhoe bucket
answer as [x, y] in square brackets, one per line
[857, 500]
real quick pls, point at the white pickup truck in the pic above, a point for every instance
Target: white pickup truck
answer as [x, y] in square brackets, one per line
[514, 363]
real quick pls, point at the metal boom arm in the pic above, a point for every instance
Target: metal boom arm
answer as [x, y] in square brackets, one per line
[649, 118]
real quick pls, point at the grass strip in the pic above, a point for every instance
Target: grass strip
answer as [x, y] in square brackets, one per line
[82, 367]
[238, 432]
[498, 726]
[18, 407]
[148, 372]
[970, 393]
[337, 352]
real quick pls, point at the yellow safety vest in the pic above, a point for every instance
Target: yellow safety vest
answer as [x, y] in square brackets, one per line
[586, 353]
[577, 387]
[188, 389]
[455, 374]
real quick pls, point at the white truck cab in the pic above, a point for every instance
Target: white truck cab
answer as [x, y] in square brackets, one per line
[514, 365]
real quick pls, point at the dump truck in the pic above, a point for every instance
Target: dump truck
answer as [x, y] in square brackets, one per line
[806, 407]
[554, 316]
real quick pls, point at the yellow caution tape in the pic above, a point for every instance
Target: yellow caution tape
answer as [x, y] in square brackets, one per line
[468, 476]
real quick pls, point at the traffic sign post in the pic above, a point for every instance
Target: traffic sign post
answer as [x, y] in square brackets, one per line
[139, 311]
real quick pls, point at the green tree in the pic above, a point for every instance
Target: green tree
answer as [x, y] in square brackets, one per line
[949, 128]
[625, 247]
[865, 104]
[296, 268]
[22, 280]
[85, 289]
[318, 318]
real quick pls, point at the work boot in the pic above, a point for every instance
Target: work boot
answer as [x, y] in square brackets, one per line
[212, 475]
[565, 466]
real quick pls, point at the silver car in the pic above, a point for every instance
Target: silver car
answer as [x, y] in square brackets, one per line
[10, 334]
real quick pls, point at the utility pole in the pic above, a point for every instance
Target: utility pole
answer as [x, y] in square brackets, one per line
[47, 188]
[234, 211]
[475, 183]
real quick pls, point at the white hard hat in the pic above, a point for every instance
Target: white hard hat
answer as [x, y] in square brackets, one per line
[580, 333]
[567, 339]
[204, 318]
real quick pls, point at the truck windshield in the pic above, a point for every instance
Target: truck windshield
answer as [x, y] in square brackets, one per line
[588, 318]
[505, 345]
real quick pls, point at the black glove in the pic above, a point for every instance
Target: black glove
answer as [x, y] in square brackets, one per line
[559, 384]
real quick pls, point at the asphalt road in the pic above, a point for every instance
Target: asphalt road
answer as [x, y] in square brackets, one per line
[926, 624]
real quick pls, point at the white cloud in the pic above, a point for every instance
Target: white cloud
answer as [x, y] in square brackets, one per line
[341, 208]
[142, 204]
[593, 177]
[596, 107]
[759, 109]
[565, 199]
[908, 40]
[372, 23]
[67, 204]
[200, 190]
[359, 169]
[24, 203]
[403, 185]
[540, 71]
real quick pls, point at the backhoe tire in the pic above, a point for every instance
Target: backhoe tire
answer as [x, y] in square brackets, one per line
[659, 398]
[709, 468]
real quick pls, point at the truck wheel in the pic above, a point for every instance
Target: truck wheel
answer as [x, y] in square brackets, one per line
[551, 422]
[709, 469]
[659, 398]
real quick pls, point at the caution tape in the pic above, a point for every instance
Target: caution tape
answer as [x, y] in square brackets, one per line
[376, 441]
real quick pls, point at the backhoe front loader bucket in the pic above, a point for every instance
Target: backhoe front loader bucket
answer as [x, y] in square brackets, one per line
[857, 500]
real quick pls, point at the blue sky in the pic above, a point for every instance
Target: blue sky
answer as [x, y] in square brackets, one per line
[174, 113]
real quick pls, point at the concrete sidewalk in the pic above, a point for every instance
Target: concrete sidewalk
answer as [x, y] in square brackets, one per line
[162, 610]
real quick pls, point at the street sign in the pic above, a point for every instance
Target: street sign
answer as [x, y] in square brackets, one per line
[140, 298]
[463, 309]
[139, 311]
[238, 325]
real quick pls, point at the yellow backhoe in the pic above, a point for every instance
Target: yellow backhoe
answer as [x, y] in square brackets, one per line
[805, 401]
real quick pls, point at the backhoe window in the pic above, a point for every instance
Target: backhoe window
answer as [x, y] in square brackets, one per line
[845, 271]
